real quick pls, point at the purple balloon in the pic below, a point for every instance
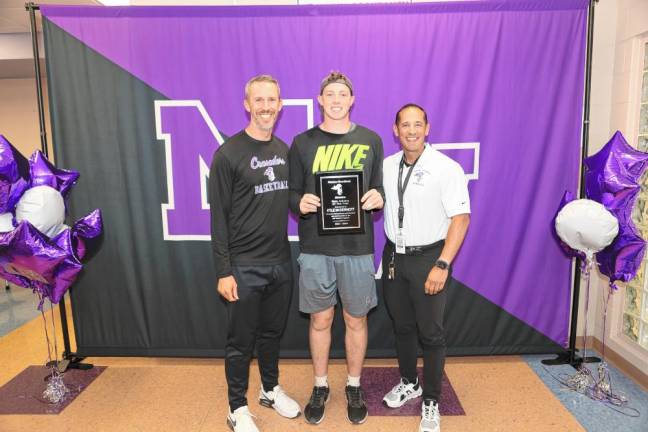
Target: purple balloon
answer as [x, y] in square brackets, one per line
[85, 229]
[13, 166]
[42, 172]
[72, 241]
[29, 259]
[607, 199]
[48, 266]
[621, 260]
[68, 269]
[611, 178]
[90, 226]
[632, 161]
[16, 192]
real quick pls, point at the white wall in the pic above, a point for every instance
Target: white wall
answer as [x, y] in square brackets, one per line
[19, 114]
[603, 58]
[620, 24]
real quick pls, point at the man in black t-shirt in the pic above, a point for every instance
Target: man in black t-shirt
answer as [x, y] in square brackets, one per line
[248, 194]
[339, 263]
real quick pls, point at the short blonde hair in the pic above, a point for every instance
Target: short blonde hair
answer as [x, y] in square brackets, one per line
[261, 78]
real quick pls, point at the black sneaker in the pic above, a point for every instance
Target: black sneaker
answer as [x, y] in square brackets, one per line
[356, 406]
[314, 411]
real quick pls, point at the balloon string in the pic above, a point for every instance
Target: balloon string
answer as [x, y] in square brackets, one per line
[605, 310]
[55, 390]
[587, 267]
[54, 329]
[40, 298]
[49, 351]
[583, 381]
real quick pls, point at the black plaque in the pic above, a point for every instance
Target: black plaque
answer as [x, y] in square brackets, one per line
[340, 210]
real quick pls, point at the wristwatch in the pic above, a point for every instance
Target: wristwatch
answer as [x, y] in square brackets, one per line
[441, 264]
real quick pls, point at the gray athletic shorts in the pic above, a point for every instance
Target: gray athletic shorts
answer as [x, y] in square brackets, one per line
[322, 276]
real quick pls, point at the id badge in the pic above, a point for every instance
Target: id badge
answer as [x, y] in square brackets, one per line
[400, 243]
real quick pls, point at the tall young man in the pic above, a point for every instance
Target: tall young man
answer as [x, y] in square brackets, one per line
[336, 264]
[426, 218]
[248, 188]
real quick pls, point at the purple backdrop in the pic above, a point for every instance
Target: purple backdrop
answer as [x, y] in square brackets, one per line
[502, 82]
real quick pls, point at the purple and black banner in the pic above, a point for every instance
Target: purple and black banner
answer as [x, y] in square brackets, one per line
[141, 97]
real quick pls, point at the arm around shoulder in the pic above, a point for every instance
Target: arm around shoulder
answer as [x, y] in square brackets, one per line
[295, 177]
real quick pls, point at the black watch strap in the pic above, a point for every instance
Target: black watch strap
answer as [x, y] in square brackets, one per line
[441, 264]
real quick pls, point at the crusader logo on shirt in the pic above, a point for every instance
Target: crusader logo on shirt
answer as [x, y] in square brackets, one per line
[418, 177]
[269, 172]
[256, 163]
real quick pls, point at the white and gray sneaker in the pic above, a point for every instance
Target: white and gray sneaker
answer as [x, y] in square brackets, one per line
[280, 401]
[241, 420]
[430, 417]
[401, 393]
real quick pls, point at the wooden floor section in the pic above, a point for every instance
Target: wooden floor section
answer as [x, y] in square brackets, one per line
[156, 394]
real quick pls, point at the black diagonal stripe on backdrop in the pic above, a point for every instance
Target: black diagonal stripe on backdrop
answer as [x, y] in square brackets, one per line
[141, 295]
[477, 326]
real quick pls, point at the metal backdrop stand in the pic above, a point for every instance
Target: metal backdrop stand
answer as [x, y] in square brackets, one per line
[70, 359]
[571, 356]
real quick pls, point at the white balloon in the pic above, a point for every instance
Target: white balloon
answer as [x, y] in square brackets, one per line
[587, 226]
[43, 207]
[6, 224]
[60, 229]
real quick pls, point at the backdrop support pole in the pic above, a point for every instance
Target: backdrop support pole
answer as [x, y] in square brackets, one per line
[70, 359]
[570, 356]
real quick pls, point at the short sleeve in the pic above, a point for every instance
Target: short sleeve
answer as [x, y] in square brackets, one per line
[454, 194]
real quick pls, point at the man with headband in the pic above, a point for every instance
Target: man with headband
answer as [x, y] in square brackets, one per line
[335, 264]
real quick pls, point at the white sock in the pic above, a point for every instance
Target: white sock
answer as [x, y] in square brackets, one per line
[321, 381]
[353, 381]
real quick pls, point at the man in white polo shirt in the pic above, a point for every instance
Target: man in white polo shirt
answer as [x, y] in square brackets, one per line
[427, 209]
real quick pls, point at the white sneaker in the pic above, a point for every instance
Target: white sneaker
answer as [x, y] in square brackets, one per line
[280, 401]
[241, 420]
[401, 393]
[430, 417]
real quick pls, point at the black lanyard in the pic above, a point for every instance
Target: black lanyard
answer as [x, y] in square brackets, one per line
[401, 188]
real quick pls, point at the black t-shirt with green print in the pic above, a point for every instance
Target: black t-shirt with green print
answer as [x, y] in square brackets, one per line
[318, 151]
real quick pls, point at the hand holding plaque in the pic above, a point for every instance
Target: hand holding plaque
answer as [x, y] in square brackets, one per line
[340, 210]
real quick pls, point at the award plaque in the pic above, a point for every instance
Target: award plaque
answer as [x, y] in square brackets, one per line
[340, 210]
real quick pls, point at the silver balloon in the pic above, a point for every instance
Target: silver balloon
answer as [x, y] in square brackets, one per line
[6, 223]
[586, 226]
[43, 207]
